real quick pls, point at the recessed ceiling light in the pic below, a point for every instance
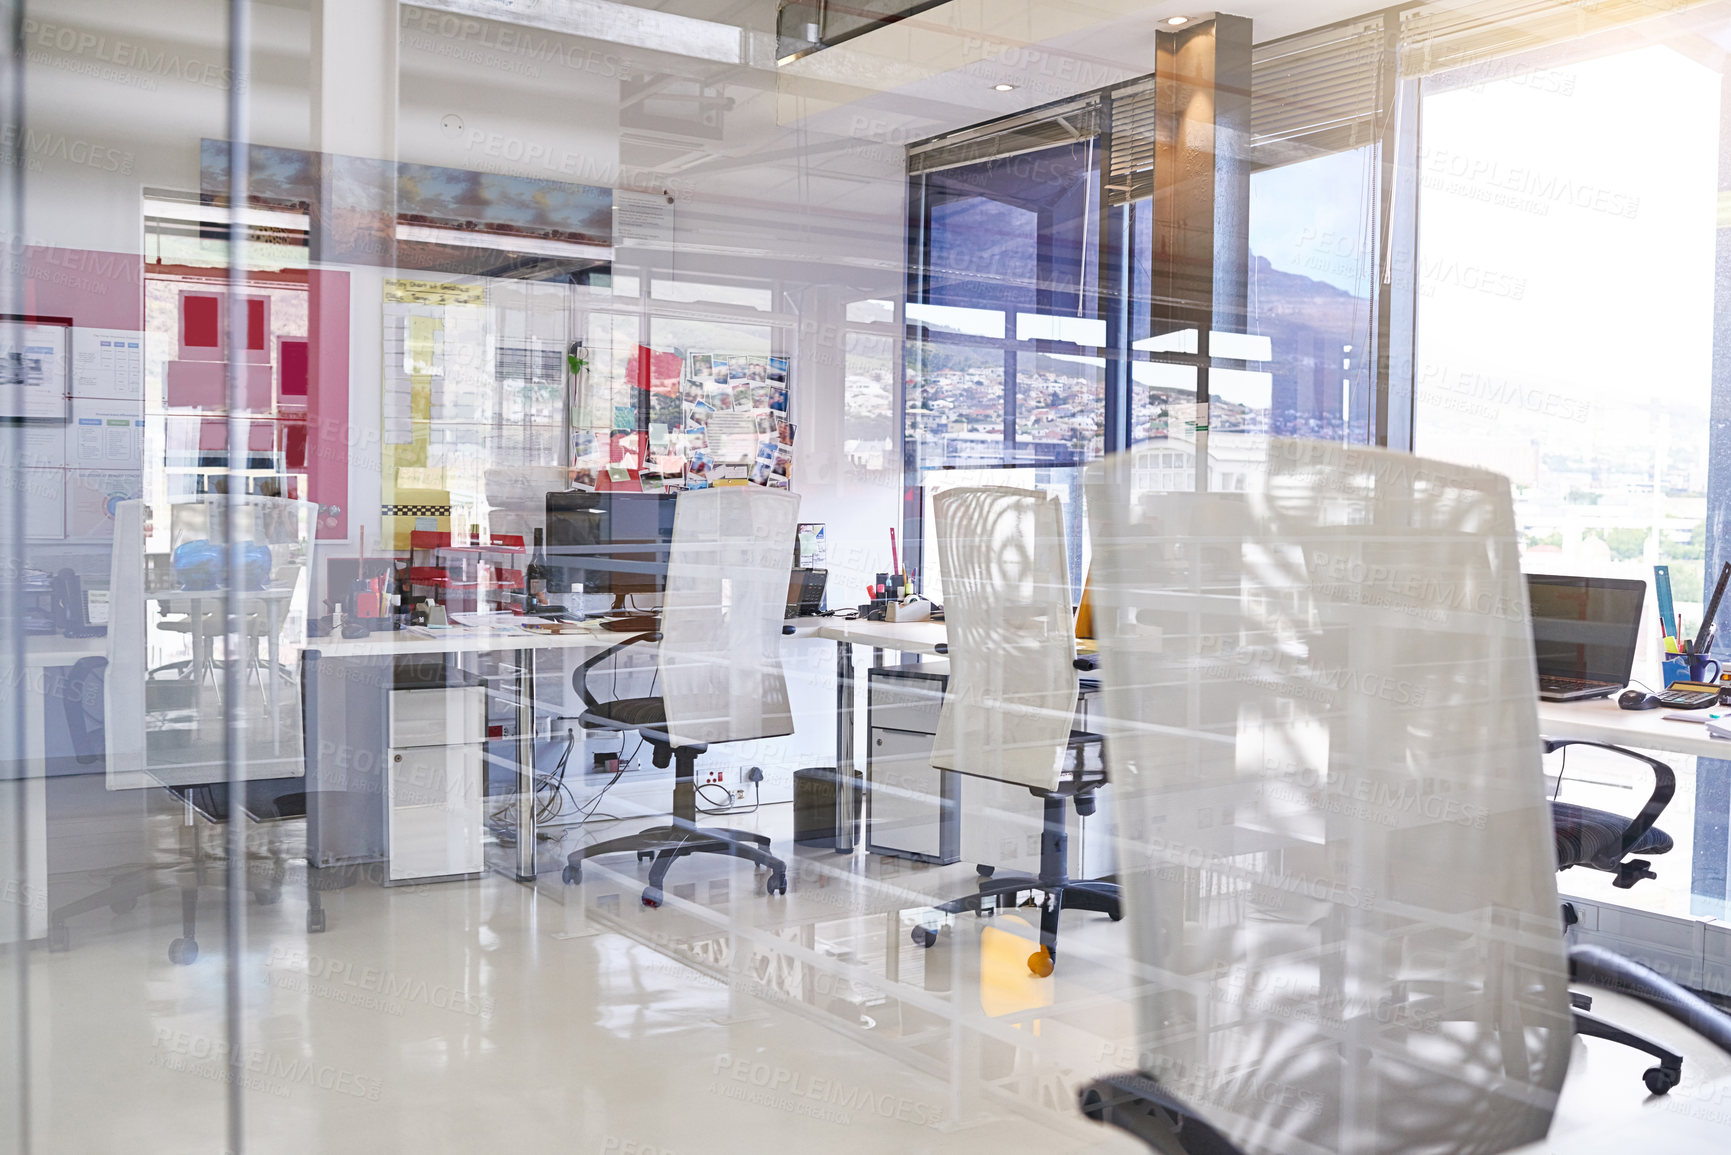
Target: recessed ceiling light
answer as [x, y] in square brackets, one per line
[1175, 21]
[1003, 88]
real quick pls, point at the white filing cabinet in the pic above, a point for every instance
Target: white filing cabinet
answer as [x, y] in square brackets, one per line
[939, 816]
[433, 788]
[913, 806]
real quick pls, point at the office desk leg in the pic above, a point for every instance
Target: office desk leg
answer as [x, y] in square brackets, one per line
[844, 707]
[525, 765]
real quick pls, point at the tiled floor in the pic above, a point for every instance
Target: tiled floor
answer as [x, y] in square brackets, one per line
[485, 1016]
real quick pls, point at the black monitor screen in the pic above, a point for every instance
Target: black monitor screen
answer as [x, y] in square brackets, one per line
[1585, 627]
[590, 535]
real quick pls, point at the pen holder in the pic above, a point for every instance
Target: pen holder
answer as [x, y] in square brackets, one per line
[1690, 668]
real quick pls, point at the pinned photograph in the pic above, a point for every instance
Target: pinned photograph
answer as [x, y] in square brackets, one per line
[697, 471]
[764, 466]
[778, 370]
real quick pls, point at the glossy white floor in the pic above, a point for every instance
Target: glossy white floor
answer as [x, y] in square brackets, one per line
[483, 1016]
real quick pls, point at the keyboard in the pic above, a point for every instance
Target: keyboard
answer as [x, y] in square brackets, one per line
[1556, 688]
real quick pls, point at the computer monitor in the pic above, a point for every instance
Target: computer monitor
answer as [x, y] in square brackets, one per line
[615, 543]
[1584, 628]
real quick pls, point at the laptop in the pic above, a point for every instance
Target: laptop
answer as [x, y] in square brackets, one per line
[1584, 633]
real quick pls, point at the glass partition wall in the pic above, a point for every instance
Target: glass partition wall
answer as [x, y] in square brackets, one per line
[368, 363]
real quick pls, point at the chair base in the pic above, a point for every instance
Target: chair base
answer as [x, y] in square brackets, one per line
[1659, 1079]
[676, 840]
[1061, 892]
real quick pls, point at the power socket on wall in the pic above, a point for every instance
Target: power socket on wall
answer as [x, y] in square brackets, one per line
[716, 777]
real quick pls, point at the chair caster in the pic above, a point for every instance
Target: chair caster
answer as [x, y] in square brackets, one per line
[315, 922]
[777, 883]
[1040, 963]
[645, 855]
[121, 906]
[924, 936]
[984, 871]
[652, 897]
[183, 952]
[1116, 914]
[572, 875]
[1659, 1080]
[59, 938]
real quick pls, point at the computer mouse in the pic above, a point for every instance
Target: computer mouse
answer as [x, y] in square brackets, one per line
[1638, 700]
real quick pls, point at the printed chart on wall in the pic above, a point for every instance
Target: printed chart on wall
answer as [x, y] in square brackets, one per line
[735, 410]
[34, 359]
[83, 412]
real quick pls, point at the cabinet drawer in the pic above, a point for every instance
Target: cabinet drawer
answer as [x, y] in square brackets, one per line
[441, 717]
[910, 704]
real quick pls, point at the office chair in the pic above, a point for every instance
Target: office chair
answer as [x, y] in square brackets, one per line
[719, 665]
[1601, 840]
[1338, 857]
[1010, 702]
[264, 801]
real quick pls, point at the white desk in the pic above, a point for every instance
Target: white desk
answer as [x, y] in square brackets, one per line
[1602, 720]
[492, 639]
[474, 640]
[846, 633]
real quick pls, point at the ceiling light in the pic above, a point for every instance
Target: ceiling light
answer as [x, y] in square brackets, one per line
[1003, 88]
[1175, 21]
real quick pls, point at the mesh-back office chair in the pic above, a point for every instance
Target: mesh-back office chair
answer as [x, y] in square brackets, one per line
[1011, 698]
[1334, 839]
[719, 668]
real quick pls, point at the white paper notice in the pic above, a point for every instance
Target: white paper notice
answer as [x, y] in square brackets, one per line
[732, 436]
[107, 363]
[105, 434]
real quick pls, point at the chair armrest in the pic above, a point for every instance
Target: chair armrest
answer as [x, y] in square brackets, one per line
[1664, 786]
[580, 676]
[1596, 966]
[1140, 1106]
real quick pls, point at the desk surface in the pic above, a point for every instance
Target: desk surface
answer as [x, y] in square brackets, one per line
[478, 639]
[1600, 720]
[1603, 721]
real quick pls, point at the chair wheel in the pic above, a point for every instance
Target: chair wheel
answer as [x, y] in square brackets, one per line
[572, 875]
[316, 921]
[122, 905]
[1659, 1080]
[777, 883]
[1040, 963]
[924, 936]
[1116, 914]
[59, 938]
[652, 897]
[645, 855]
[183, 952]
[984, 871]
